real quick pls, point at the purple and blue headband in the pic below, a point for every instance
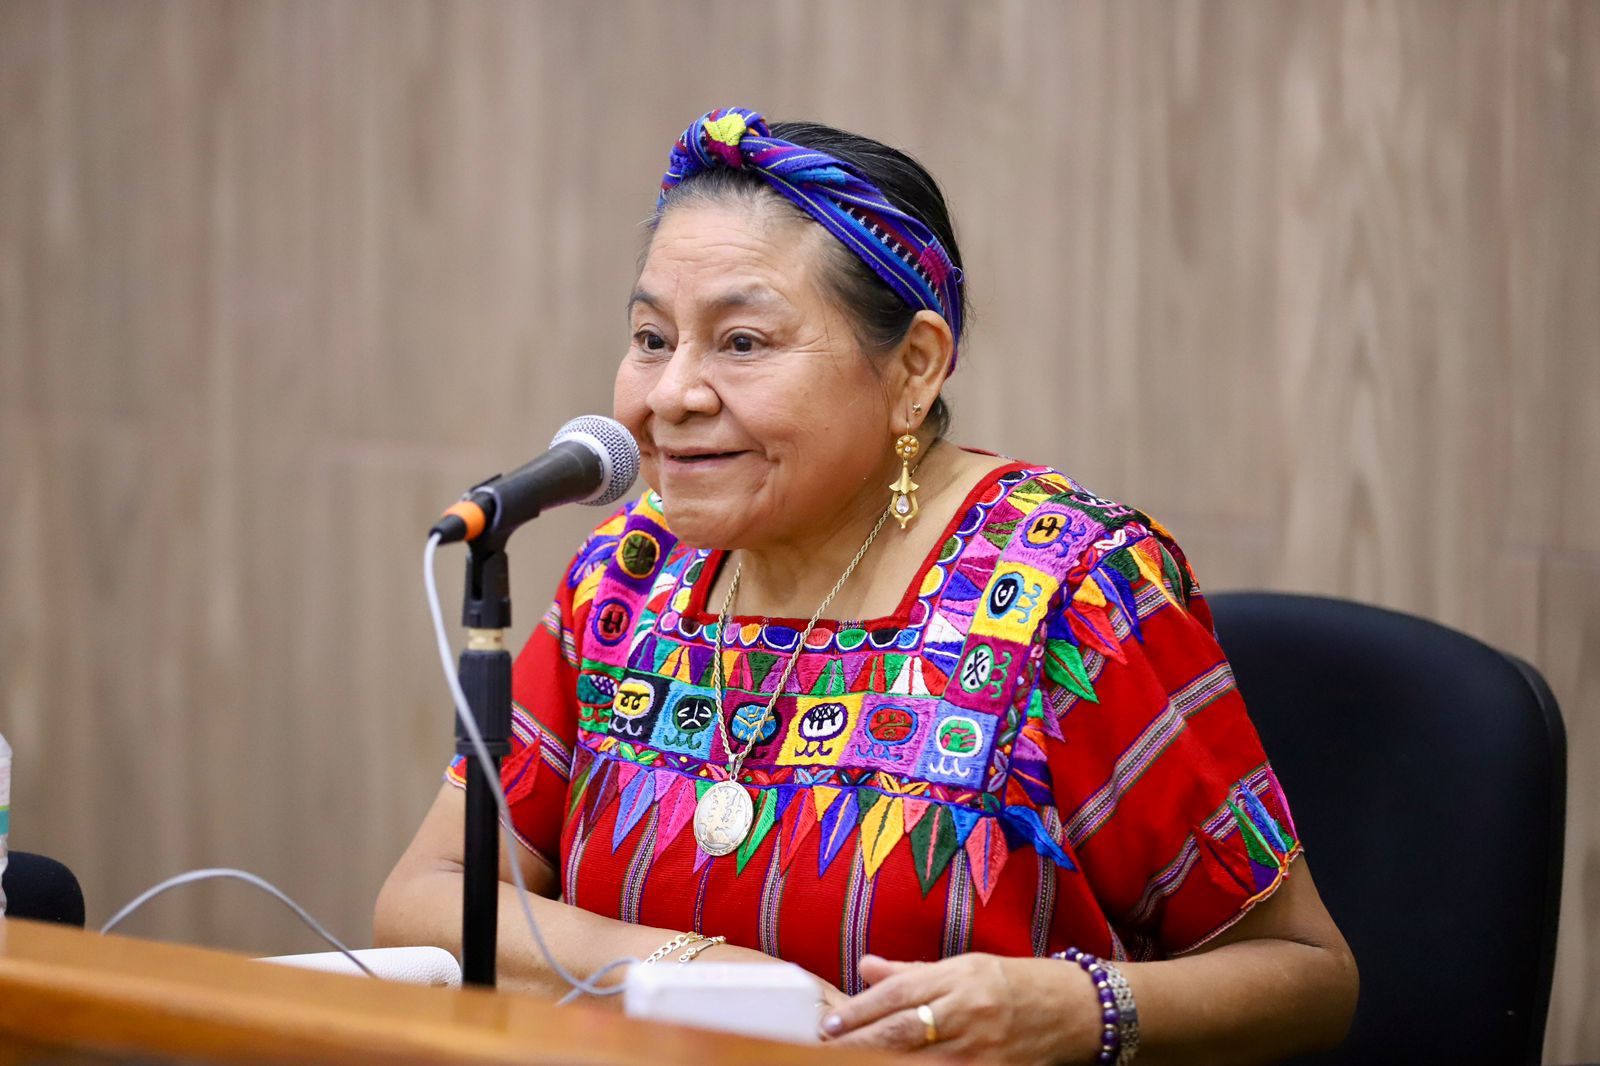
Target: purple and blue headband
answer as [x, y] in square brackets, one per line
[899, 248]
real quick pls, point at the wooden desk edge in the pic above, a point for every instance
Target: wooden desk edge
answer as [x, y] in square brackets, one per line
[73, 989]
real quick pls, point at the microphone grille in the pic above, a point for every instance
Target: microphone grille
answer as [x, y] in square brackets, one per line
[618, 452]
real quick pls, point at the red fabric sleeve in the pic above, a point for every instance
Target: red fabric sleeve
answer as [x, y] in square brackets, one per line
[544, 727]
[1168, 800]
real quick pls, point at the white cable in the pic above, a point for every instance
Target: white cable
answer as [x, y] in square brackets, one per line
[601, 972]
[486, 763]
[463, 711]
[239, 875]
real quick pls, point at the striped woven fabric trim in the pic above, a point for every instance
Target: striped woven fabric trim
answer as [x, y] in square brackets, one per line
[555, 752]
[1044, 904]
[1149, 600]
[556, 628]
[957, 909]
[638, 870]
[1220, 826]
[523, 725]
[1132, 763]
[853, 929]
[771, 898]
[700, 897]
[569, 874]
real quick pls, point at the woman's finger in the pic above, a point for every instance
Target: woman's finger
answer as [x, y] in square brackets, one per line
[828, 997]
[875, 969]
[901, 987]
[906, 1030]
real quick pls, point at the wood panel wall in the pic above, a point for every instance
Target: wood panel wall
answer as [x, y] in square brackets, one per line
[1315, 282]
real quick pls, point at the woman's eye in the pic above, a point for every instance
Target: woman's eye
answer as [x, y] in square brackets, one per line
[649, 340]
[743, 343]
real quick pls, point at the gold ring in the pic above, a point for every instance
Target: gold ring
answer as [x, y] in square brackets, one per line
[929, 1030]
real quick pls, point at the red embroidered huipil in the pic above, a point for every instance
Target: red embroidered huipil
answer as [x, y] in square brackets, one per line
[1043, 747]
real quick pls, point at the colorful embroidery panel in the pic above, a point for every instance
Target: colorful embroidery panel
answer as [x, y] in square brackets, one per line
[1050, 688]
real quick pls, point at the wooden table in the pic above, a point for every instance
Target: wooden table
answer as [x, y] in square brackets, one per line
[69, 996]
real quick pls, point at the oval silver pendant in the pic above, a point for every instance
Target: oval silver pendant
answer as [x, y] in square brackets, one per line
[722, 817]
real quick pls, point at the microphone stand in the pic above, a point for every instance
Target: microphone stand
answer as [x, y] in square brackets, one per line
[485, 673]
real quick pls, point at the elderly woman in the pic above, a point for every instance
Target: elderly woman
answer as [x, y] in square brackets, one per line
[944, 728]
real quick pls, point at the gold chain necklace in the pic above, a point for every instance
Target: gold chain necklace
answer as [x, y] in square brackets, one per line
[723, 816]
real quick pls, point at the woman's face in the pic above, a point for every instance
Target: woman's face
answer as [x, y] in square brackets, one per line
[759, 419]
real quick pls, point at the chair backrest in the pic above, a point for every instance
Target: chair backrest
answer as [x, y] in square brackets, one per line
[1426, 772]
[42, 889]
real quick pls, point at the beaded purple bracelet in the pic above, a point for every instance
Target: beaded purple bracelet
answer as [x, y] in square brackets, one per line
[1110, 1016]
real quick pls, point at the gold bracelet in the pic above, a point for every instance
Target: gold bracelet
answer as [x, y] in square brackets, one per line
[707, 942]
[681, 940]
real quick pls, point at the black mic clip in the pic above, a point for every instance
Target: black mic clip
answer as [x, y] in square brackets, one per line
[469, 517]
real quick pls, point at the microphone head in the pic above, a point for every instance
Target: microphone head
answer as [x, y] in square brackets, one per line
[613, 445]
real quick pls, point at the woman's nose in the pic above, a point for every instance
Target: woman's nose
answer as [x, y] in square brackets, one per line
[682, 388]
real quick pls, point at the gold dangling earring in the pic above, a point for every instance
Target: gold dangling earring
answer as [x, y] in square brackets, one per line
[903, 493]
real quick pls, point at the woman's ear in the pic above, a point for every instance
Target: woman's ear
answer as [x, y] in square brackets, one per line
[925, 359]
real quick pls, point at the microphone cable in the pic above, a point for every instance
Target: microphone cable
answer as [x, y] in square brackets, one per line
[580, 986]
[486, 764]
[249, 878]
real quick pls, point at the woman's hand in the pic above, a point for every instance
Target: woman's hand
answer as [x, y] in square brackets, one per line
[1020, 1010]
[829, 1000]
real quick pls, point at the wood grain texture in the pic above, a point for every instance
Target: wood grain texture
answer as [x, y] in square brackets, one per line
[1314, 282]
[138, 1001]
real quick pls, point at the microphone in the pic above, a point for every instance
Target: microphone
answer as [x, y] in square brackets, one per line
[592, 460]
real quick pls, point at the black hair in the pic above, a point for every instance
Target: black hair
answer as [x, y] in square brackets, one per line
[881, 317]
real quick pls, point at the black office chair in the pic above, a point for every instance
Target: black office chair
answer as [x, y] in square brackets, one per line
[41, 889]
[1427, 776]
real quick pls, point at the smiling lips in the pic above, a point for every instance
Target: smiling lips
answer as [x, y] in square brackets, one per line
[695, 457]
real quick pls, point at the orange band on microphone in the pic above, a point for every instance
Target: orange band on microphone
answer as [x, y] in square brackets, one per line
[471, 514]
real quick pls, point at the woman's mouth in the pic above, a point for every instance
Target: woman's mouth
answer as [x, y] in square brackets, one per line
[700, 458]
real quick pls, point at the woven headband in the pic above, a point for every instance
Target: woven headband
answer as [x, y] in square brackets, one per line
[899, 248]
